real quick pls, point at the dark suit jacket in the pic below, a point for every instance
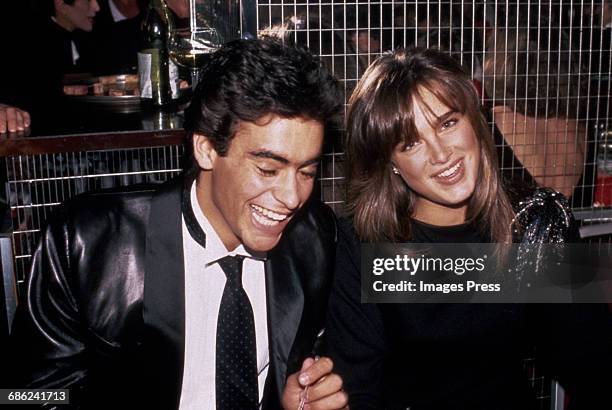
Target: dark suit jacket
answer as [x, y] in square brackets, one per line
[111, 47]
[104, 314]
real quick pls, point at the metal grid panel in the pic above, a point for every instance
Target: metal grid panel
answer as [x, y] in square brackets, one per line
[38, 183]
[567, 76]
[553, 86]
[562, 75]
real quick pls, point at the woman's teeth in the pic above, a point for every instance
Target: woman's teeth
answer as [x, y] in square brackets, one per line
[451, 171]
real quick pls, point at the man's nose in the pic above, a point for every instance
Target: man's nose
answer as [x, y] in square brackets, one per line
[287, 191]
[95, 7]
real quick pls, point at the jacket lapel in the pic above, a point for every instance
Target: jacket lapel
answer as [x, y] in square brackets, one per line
[285, 306]
[164, 298]
[164, 303]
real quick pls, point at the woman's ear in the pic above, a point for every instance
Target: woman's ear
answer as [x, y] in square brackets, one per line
[204, 152]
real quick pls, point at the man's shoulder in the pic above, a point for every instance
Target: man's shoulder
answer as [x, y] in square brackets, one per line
[312, 232]
[108, 200]
[120, 203]
[315, 216]
[319, 210]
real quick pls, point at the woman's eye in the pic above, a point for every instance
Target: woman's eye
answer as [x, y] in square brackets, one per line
[449, 123]
[266, 172]
[410, 145]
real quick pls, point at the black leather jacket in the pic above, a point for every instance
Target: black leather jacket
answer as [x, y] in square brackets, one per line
[104, 314]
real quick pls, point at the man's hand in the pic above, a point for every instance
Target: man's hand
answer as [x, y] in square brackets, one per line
[315, 382]
[13, 119]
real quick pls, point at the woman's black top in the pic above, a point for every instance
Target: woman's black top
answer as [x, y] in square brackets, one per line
[460, 356]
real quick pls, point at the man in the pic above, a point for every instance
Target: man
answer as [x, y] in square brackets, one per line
[135, 297]
[112, 46]
[40, 40]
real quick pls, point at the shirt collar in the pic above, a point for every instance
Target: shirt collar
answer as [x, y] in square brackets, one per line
[117, 15]
[203, 233]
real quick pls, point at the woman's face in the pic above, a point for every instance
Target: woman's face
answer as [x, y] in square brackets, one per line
[441, 167]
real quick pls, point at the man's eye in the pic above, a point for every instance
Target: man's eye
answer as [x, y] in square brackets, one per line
[266, 172]
[309, 174]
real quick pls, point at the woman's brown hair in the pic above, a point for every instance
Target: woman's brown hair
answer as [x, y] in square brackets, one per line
[380, 116]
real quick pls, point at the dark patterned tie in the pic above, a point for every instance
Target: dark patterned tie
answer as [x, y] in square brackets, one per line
[236, 367]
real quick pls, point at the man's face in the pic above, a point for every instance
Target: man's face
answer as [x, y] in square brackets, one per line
[251, 194]
[79, 14]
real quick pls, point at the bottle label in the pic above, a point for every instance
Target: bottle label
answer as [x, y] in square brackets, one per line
[145, 58]
[144, 74]
[174, 78]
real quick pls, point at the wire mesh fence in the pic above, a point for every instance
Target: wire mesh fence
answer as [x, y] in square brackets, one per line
[542, 69]
[38, 183]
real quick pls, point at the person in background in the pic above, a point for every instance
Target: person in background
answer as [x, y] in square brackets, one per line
[597, 48]
[537, 90]
[209, 291]
[112, 46]
[421, 168]
[601, 21]
[42, 51]
[13, 119]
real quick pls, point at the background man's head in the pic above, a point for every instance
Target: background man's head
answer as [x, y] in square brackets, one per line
[76, 14]
[257, 121]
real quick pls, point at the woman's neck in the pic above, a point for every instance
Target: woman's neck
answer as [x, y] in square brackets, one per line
[439, 215]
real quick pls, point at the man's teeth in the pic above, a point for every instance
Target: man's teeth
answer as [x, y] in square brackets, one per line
[450, 171]
[267, 217]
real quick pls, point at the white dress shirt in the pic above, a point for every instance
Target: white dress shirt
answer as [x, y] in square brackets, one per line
[115, 12]
[204, 284]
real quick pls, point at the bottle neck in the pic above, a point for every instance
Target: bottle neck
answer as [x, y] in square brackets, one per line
[162, 8]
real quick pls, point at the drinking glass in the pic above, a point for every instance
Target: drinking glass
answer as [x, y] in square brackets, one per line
[190, 47]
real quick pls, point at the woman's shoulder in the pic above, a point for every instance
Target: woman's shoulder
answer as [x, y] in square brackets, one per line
[542, 215]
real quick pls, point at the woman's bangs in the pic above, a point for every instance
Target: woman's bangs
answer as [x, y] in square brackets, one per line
[450, 91]
[407, 132]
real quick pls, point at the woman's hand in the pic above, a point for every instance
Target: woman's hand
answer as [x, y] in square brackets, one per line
[315, 387]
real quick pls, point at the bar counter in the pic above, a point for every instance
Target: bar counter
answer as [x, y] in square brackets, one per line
[84, 148]
[83, 126]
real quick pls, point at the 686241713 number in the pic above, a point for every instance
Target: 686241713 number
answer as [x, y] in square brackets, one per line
[34, 396]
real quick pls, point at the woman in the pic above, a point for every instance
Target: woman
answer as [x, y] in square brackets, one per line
[421, 168]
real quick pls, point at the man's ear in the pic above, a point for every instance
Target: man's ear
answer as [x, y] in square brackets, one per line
[203, 152]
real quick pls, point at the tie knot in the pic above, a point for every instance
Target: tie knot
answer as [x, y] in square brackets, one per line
[232, 266]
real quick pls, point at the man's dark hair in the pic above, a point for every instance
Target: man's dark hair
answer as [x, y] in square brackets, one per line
[43, 8]
[246, 80]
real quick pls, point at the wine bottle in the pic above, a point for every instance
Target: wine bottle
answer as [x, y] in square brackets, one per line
[153, 63]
